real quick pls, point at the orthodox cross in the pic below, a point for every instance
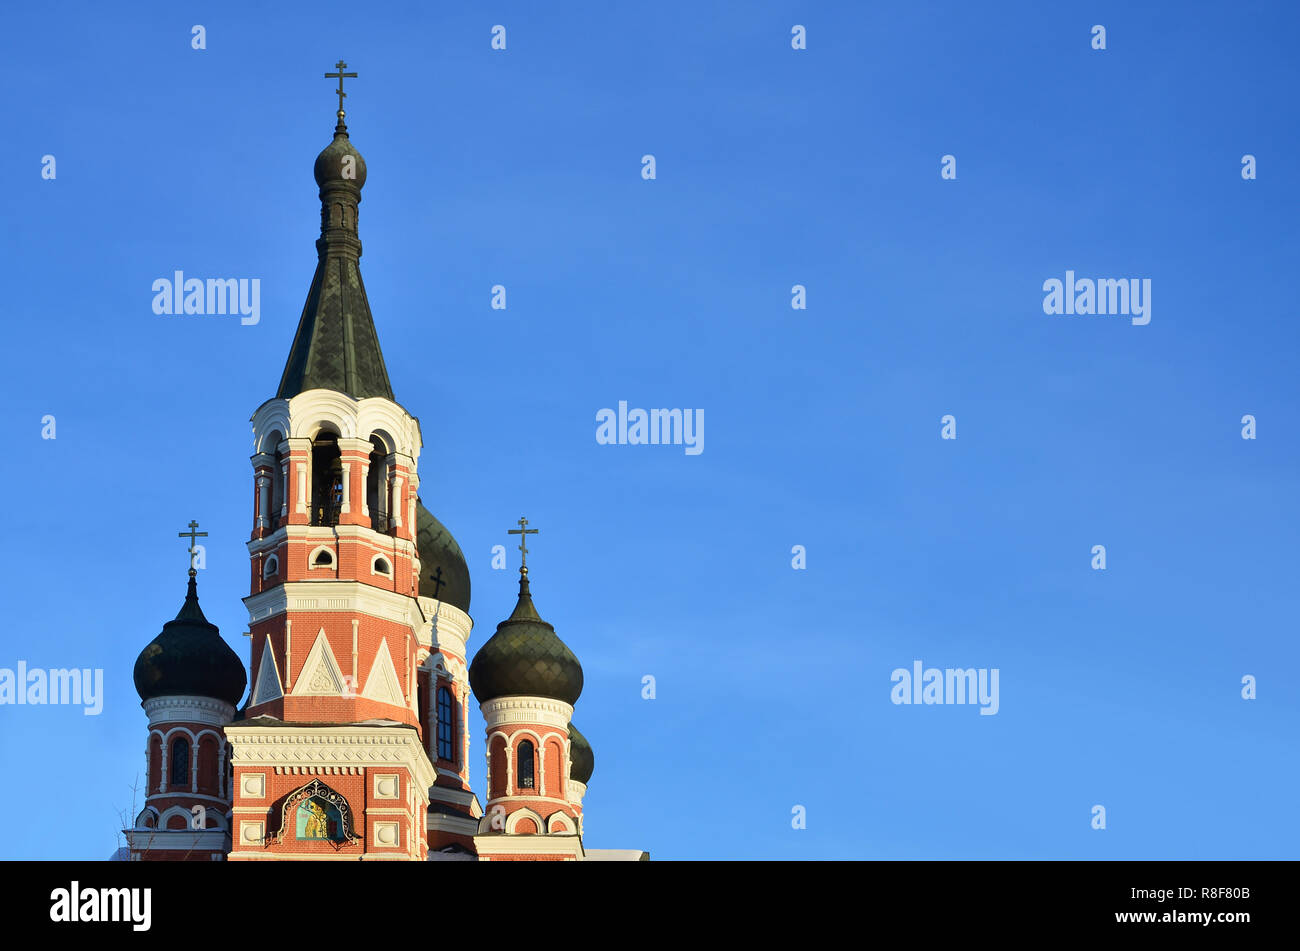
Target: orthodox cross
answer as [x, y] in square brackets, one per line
[340, 66]
[436, 578]
[191, 535]
[523, 531]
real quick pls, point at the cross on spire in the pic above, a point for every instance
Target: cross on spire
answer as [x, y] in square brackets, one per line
[523, 531]
[191, 535]
[341, 66]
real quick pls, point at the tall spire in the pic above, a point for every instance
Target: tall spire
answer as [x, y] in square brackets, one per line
[336, 346]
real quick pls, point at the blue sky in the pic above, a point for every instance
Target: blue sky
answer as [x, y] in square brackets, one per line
[775, 167]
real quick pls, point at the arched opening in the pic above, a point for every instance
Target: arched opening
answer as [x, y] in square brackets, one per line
[323, 558]
[270, 567]
[276, 501]
[377, 485]
[381, 567]
[179, 774]
[525, 761]
[446, 725]
[326, 479]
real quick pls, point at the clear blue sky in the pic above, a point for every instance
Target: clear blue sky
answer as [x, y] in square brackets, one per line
[775, 167]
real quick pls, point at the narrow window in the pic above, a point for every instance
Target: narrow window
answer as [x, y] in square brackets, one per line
[524, 759]
[446, 726]
[277, 484]
[180, 771]
[326, 480]
[377, 486]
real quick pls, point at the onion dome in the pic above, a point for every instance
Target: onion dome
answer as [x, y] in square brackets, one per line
[582, 761]
[444, 575]
[525, 658]
[189, 658]
[340, 161]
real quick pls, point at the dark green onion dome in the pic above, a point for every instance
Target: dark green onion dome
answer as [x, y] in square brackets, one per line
[189, 658]
[525, 658]
[443, 572]
[582, 761]
[330, 166]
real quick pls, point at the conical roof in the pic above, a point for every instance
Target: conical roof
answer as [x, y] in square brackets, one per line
[336, 346]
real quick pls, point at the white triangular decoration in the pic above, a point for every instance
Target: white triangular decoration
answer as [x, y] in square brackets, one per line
[321, 676]
[268, 678]
[382, 683]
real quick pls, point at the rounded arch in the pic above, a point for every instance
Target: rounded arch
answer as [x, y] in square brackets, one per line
[312, 410]
[270, 566]
[322, 556]
[559, 823]
[519, 815]
[381, 565]
[381, 440]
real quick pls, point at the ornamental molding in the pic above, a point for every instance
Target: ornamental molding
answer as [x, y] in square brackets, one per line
[380, 541]
[188, 709]
[443, 626]
[346, 597]
[302, 416]
[322, 747]
[315, 790]
[537, 710]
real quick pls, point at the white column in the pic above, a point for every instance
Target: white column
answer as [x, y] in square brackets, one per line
[263, 500]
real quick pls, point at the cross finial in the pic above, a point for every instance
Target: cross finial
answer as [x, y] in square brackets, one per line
[436, 578]
[341, 66]
[523, 531]
[191, 535]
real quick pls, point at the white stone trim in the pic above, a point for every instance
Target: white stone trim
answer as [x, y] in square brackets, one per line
[515, 709]
[333, 746]
[498, 844]
[332, 596]
[188, 709]
[320, 662]
[329, 550]
[268, 685]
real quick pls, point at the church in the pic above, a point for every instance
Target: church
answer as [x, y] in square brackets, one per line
[353, 742]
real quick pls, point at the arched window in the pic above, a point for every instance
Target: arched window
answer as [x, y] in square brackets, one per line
[271, 566]
[277, 483]
[377, 485]
[180, 771]
[323, 558]
[326, 479]
[524, 763]
[446, 726]
[381, 567]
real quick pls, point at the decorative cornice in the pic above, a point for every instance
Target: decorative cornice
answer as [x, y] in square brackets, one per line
[187, 709]
[346, 597]
[289, 746]
[542, 710]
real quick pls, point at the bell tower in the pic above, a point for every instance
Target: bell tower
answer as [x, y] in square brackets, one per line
[329, 756]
